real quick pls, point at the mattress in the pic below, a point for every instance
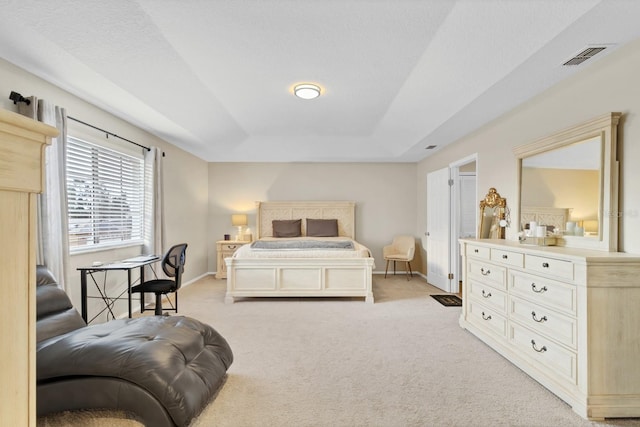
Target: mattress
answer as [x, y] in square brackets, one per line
[358, 250]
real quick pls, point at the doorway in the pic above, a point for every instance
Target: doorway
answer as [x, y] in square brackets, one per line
[452, 212]
[464, 210]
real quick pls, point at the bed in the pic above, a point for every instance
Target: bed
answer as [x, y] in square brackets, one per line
[276, 269]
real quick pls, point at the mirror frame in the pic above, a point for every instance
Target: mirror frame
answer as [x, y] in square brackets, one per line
[605, 127]
[492, 200]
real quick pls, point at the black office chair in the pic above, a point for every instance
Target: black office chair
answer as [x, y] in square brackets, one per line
[173, 266]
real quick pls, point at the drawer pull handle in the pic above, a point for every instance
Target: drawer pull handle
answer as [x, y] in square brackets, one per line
[541, 320]
[483, 272]
[504, 257]
[486, 295]
[538, 291]
[545, 265]
[486, 317]
[476, 251]
[542, 350]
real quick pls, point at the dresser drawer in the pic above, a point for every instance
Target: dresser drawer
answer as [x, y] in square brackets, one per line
[544, 321]
[487, 273]
[543, 353]
[487, 318]
[478, 251]
[554, 267]
[547, 292]
[488, 295]
[513, 259]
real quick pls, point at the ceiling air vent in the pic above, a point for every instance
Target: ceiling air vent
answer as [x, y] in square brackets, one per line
[587, 53]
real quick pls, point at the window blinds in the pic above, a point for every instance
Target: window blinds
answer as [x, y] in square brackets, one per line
[105, 191]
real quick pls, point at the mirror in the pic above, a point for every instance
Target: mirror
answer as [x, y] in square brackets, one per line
[492, 216]
[561, 189]
[569, 183]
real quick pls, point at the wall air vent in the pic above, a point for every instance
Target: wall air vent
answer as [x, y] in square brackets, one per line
[585, 54]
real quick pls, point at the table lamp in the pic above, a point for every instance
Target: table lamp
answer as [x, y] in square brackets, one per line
[239, 220]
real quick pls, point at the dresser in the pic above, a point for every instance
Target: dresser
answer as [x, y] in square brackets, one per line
[22, 144]
[568, 317]
[225, 249]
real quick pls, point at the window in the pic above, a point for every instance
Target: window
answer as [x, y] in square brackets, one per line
[105, 190]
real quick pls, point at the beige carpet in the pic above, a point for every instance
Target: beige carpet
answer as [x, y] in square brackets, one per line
[403, 361]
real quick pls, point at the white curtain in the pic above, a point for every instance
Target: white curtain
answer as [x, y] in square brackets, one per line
[154, 205]
[52, 220]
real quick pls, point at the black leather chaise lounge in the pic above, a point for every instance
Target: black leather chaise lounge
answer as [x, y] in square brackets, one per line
[162, 369]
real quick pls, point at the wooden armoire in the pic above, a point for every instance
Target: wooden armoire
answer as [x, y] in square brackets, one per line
[22, 146]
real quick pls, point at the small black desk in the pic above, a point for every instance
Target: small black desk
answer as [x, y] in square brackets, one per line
[126, 265]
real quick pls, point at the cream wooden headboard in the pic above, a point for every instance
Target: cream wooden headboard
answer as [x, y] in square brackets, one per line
[344, 212]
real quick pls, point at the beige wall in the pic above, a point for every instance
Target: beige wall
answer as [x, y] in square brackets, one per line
[604, 86]
[185, 177]
[384, 194]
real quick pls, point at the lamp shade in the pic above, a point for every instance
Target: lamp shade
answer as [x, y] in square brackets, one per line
[238, 220]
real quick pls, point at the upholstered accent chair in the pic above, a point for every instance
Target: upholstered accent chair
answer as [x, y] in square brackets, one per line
[401, 249]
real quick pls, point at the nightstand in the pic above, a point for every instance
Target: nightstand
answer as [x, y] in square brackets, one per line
[225, 248]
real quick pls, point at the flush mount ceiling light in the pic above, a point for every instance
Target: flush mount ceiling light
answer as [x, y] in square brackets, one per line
[307, 91]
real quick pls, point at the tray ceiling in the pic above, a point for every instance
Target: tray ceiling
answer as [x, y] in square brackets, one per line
[216, 77]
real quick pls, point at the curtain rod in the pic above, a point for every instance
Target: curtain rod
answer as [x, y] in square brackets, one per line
[16, 97]
[109, 133]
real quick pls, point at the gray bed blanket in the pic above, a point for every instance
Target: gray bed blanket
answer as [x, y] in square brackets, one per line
[302, 244]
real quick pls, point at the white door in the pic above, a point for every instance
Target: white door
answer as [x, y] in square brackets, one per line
[438, 229]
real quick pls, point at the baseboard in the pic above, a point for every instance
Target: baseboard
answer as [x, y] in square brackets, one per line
[401, 273]
[184, 285]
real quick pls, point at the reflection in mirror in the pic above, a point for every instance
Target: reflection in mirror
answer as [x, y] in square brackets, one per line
[492, 216]
[561, 189]
[568, 181]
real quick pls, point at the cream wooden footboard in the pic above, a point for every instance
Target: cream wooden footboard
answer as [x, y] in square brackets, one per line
[301, 277]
